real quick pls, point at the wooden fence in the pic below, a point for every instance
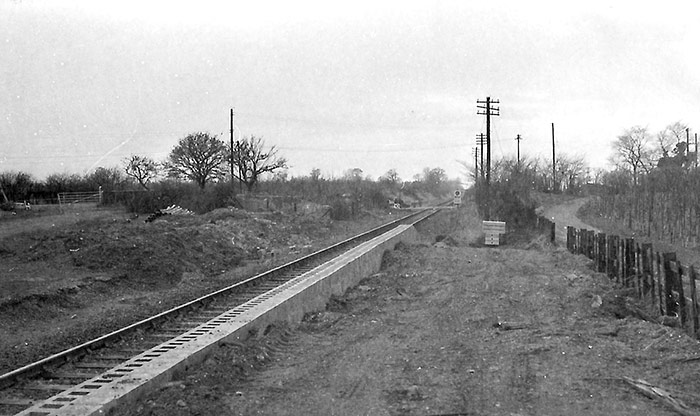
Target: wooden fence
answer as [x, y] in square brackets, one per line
[656, 277]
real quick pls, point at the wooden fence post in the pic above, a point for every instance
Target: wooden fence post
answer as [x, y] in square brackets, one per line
[694, 323]
[637, 270]
[679, 271]
[608, 243]
[630, 260]
[579, 240]
[620, 261]
[670, 306]
[599, 266]
[552, 232]
[604, 253]
[614, 255]
[660, 282]
[647, 273]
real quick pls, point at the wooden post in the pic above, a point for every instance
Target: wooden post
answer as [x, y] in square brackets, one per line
[596, 251]
[629, 262]
[670, 306]
[568, 238]
[694, 320]
[614, 250]
[660, 282]
[647, 273]
[579, 241]
[608, 269]
[621, 262]
[636, 273]
[598, 254]
[679, 271]
[602, 253]
[552, 232]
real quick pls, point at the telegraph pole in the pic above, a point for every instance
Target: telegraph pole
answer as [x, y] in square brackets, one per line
[481, 140]
[232, 125]
[554, 163]
[488, 111]
[476, 164]
[518, 139]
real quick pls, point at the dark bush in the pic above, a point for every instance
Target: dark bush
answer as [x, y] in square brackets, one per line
[341, 209]
[506, 201]
[7, 206]
[167, 193]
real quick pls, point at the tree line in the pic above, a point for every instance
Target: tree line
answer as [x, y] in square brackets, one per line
[205, 173]
[199, 157]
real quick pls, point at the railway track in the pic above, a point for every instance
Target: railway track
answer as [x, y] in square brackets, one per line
[36, 388]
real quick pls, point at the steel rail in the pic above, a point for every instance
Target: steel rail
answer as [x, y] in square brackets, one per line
[78, 351]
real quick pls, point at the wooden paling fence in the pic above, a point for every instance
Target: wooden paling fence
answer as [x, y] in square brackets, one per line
[655, 277]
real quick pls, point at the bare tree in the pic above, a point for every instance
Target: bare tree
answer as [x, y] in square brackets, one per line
[198, 157]
[391, 177]
[633, 152]
[250, 160]
[143, 169]
[669, 137]
[573, 172]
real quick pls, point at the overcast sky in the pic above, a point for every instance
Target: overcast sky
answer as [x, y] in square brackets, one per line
[337, 85]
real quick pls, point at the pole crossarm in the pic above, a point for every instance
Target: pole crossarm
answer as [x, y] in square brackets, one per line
[488, 111]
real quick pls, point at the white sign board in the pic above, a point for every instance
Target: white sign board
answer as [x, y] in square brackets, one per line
[493, 227]
[492, 231]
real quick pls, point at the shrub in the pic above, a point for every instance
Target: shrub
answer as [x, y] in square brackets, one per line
[341, 209]
[506, 201]
[186, 195]
[7, 206]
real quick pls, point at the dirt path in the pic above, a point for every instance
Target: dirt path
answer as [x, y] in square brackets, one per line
[449, 328]
[565, 215]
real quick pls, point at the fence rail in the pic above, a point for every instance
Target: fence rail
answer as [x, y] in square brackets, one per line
[656, 277]
[71, 198]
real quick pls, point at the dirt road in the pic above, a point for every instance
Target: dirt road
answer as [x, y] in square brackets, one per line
[565, 215]
[450, 328]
